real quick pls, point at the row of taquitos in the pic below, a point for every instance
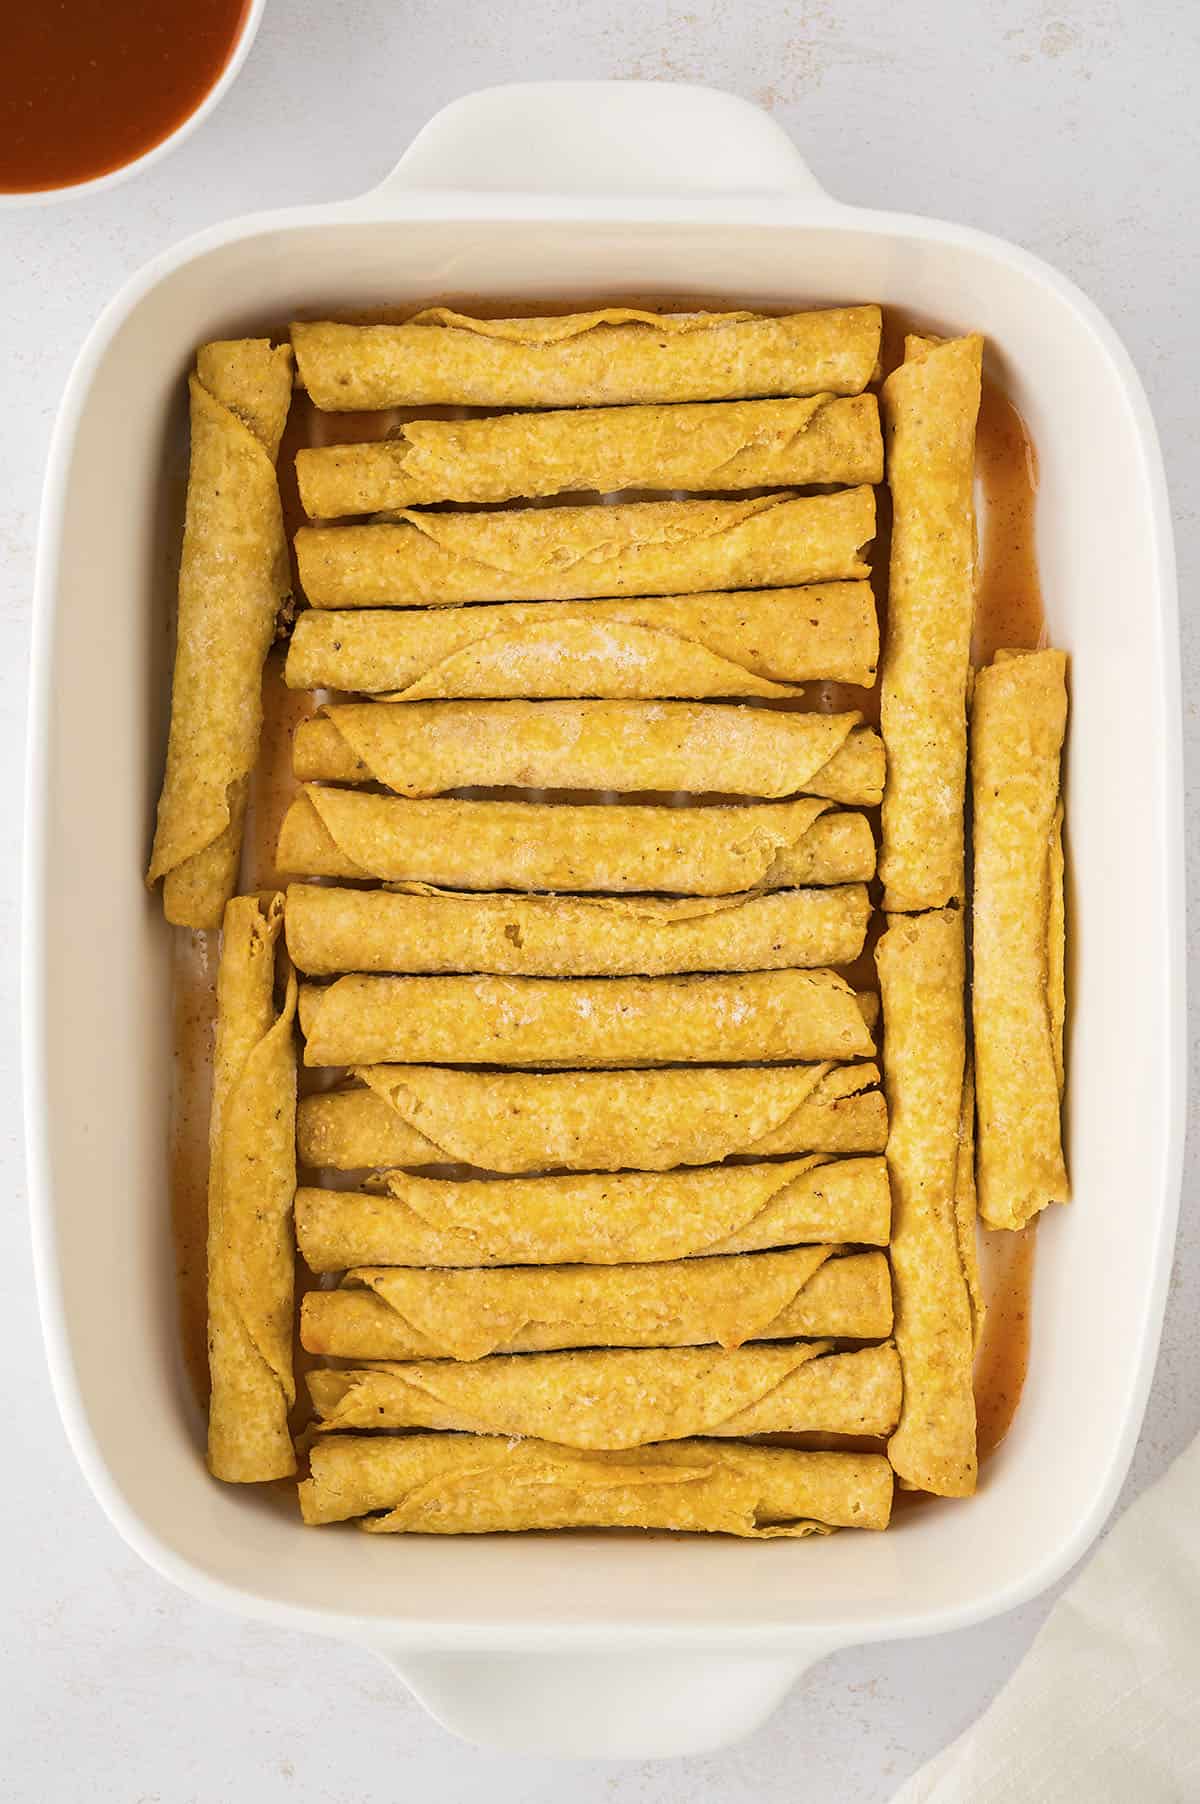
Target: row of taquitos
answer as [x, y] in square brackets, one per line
[635, 540]
[812, 920]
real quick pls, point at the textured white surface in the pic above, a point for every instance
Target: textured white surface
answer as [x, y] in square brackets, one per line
[1070, 129]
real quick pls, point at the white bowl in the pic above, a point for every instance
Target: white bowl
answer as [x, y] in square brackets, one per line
[246, 34]
[588, 1644]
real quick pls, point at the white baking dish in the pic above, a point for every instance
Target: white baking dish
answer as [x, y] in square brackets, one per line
[594, 1644]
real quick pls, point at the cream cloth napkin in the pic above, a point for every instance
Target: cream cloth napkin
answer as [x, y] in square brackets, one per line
[1105, 1707]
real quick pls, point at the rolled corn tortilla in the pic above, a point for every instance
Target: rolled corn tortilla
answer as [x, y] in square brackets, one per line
[756, 642]
[252, 1180]
[566, 553]
[397, 1313]
[487, 845]
[596, 1219]
[776, 1015]
[618, 354]
[510, 1121]
[1018, 721]
[930, 407]
[734, 445]
[335, 930]
[467, 1484]
[233, 579]
[427, 748]
[613, 1399]
[921, 965]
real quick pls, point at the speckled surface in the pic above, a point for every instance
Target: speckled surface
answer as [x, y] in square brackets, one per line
[1071, 129]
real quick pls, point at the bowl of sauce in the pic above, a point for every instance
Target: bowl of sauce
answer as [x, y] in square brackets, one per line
[93, 90]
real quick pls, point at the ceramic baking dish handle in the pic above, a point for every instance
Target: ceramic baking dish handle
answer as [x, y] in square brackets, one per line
[603, 137]
[612, 1705]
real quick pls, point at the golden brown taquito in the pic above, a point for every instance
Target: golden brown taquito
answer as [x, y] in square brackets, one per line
[394, 1312]
[252, 1180]
[749, 642]
[428, 748]
[519, 1121]
[732, 445]
[921, 963]
[332, 930]
[550, 1022]
[1018, 721]
[930, 406]
[613, 1398]
[618, 848]
[594, 1217]
[470, 1484]
[617, 354]
[233, 580]
[430, 559]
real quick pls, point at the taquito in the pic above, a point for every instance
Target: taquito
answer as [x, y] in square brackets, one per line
[516, 1121]
[565, 553]
[617, 1398]
[618, 354]
[930, 406]
[233, 580]
[334, 930]
[596, 1218]
[439, 1484]
[775, 1015]
[750, 642]
[488, 845]
[921, 965]
[1018, 720]
[398, 1313]
[426, 748]
[734, 445]
[252, 1180]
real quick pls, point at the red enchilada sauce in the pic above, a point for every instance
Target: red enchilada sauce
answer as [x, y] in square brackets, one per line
[86, 86]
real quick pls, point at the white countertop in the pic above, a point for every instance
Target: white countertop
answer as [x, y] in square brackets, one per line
[1070, 128]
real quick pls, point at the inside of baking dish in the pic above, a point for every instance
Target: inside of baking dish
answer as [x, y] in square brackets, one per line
[109, 1032]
